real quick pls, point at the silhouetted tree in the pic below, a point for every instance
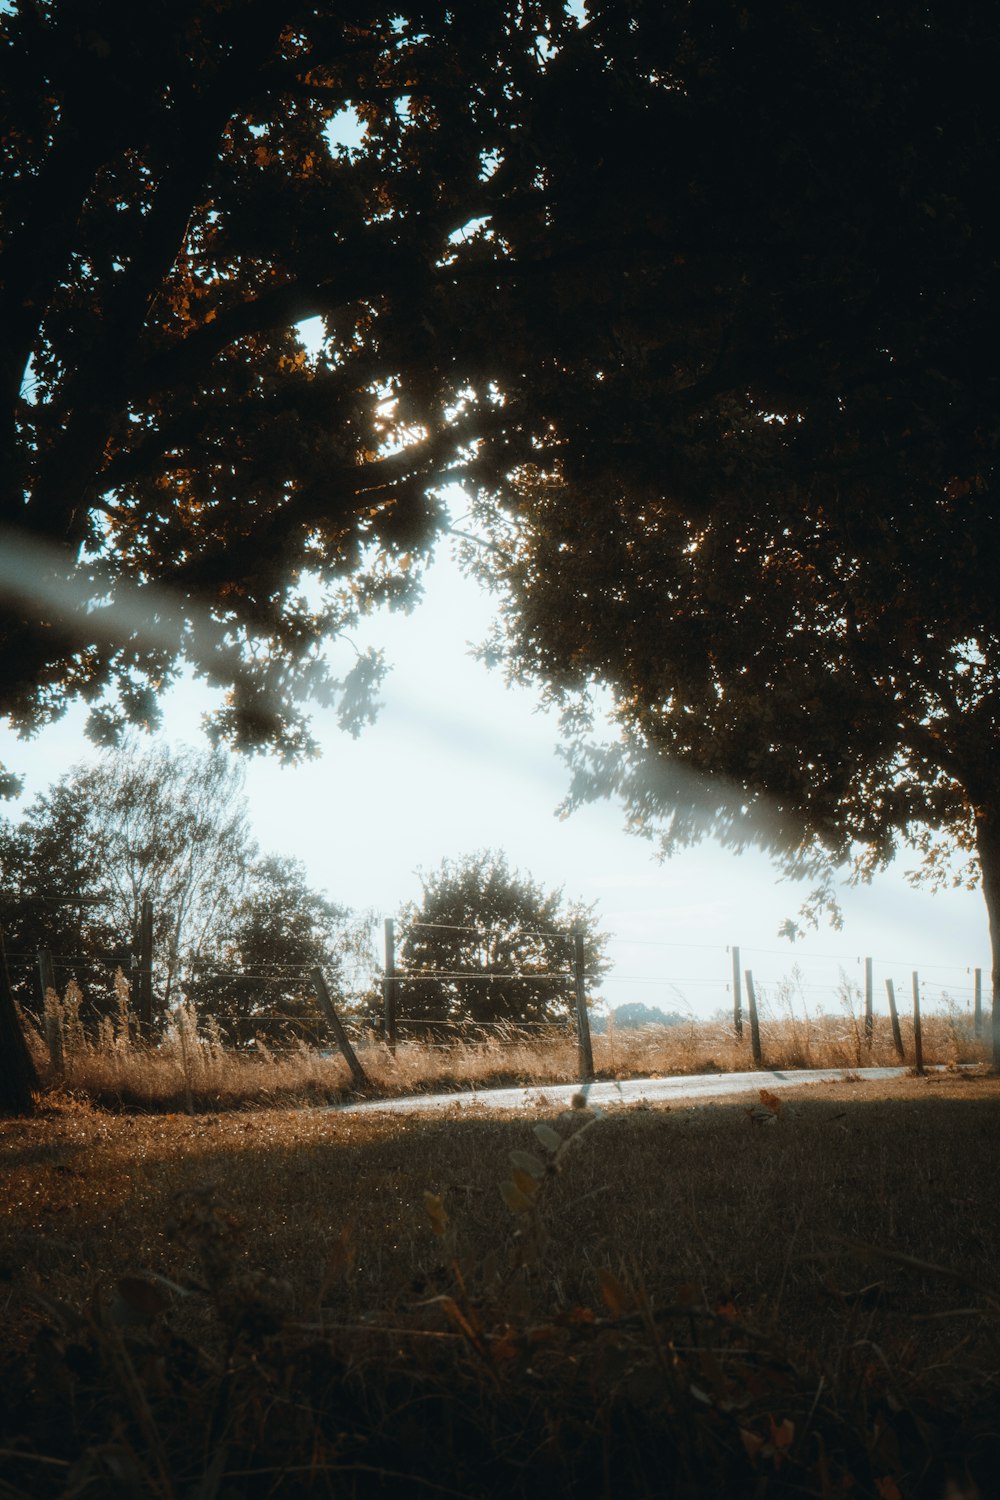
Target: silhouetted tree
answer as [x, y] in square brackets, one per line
[495, 946]
[763, 510]
[256, 980]
[170, 824]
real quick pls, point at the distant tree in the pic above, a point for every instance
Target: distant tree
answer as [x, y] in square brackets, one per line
[234, 932]
[164, 823]
[493, 944]
[256, 981]
[635, 1014]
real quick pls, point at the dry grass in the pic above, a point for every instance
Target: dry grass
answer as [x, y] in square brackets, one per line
[692, 1304]
[192, 1070]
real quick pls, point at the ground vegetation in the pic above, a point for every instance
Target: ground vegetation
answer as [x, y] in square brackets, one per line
[394, 1304]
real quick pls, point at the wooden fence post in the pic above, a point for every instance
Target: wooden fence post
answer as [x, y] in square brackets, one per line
[336, 1026]
[869, 1004]
[758, 1056]
[50, 1022]
[586, 1051]
[918, 1041]
[144, 1008]
[897, 1036]
[389, 984]
[978, 1002]
[737, 995]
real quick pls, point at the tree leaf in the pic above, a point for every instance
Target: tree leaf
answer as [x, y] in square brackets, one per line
[548, 1137]
[517, 1201]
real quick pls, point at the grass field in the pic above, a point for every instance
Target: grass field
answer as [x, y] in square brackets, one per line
[662, 1302]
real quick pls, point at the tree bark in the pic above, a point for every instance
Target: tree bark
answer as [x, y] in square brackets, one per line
[18, 1079]
[988, 847]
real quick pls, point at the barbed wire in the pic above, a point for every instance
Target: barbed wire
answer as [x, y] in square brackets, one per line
[490, 931]
[470, 1025]
[484, 976]
[208, 966]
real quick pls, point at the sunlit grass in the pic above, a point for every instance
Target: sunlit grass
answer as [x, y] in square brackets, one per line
[189, 1067]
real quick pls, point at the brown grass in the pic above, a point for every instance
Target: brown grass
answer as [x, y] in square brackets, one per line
[192, 1070]
[692, 1304]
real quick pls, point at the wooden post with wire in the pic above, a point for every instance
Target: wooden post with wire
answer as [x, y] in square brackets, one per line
[755, 1048]
[897, 1036]
[50, 1021]
[336, 1026]
[737, 994]
[918, 1041]
[389, 984]
[869, 1005]
[586, 1051]
[978, 1001]
[144, 978]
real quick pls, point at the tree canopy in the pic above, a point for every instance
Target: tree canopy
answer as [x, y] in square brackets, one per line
[494, 946]
[256, 981]
[183, 481]
[767, 521]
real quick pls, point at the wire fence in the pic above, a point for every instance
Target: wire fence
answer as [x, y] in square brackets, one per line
[697, 980]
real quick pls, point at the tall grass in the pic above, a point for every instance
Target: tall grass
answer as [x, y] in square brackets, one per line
[189, 1067]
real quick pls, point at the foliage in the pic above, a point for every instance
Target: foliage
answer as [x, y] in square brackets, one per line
[634, 1014]
[499, 942]
[171, 825]
[762, 510]
[256, 983]
[186, 187]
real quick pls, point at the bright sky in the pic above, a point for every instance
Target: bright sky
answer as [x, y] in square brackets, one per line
[458, 762]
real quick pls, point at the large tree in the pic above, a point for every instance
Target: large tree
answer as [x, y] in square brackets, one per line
[491, 945]
[763, 509]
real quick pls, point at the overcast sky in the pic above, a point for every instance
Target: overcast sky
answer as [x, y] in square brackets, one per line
[458, 762]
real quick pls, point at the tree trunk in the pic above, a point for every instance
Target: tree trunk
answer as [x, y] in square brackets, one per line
[18, 1079]
[988, 847]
